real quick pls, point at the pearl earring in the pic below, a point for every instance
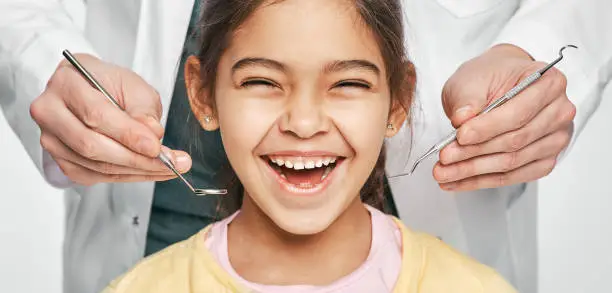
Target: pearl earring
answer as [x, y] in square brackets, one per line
[390, 126]
[207, 119]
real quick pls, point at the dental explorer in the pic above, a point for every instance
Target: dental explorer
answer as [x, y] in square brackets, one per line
[500, 101]
[162, 157]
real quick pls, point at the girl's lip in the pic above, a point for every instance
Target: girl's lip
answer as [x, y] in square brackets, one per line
[303, 154]
[299, 191]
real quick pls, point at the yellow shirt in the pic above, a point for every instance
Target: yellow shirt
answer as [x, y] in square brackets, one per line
[428, 266]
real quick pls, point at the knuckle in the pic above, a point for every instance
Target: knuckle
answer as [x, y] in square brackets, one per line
[502, 179]
[115, 177]
[549, 166]
[509, 161]
[69, 169]
[437, 173]
[57, 79]
[37, 109]
[74, 173]
[64, 167]
[558, 79]
[93, 117]
[129, 137]
[517, 141]
[46, 141]
[563, 139]
[132, 161]
[87, 148]
[106, 168]
[522, 118]
[569, 112]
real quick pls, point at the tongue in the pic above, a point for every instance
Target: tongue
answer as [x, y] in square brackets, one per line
[304, 176]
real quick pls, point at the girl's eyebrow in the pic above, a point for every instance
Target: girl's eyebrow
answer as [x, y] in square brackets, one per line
[334, 66]
[344, 65]
[247, 62]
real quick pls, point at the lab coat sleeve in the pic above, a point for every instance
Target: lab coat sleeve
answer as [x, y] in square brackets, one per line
[542, 27]
[33, 35]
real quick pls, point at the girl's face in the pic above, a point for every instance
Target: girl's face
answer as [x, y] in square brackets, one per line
[302, 103]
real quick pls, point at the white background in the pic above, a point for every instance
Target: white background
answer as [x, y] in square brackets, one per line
[575, 224]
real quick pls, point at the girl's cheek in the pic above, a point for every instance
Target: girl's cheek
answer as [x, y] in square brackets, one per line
[248, 120]
[360, 121]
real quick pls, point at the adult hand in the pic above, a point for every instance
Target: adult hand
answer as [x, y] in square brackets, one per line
[515, 143]
[91, 140]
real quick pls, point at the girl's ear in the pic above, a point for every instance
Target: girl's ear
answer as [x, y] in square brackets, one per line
[400, 107]
[201, 104]
[397, 117]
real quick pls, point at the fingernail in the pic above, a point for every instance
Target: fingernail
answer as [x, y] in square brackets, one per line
[463, 112]
[449, 155]
[169, 154]
[467, 136]
[183, 162]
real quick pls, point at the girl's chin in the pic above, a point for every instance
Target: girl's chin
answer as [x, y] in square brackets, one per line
[304, 222]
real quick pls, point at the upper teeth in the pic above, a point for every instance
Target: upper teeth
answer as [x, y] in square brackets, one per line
[299, 163]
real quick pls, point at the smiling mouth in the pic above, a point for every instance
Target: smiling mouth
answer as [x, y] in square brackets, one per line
[303, 172]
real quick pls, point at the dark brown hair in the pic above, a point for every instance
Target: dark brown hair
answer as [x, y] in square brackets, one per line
[220, 18]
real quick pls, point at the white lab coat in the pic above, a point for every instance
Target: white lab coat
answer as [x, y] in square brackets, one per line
[496, 226]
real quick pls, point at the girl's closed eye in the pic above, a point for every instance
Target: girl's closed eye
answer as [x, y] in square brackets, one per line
[353, 83]
[259, 82]
[352, 87]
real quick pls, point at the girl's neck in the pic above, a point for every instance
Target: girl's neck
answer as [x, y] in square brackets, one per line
[263, 253]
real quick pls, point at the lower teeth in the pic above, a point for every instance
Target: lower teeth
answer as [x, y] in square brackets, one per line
[327, 170]
[308, 184]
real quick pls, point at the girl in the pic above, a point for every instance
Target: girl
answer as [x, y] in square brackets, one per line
[304, 94]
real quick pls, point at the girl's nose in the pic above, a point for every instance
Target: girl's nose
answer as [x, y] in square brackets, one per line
[305, 117]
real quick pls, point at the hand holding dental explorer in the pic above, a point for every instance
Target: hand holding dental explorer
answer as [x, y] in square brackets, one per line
[93, 141]
[516, 143]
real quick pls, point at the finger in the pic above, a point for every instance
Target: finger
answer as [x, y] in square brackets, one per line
[98, 114]
[558, 115]
[141, 99]
[92, 145]
[152, 124]
[549, 146]
[57, 149]
[128, 88]
[83, 176]
[530, 172]
[515, 113]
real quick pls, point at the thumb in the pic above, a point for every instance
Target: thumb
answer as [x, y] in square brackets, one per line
[462, 100]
